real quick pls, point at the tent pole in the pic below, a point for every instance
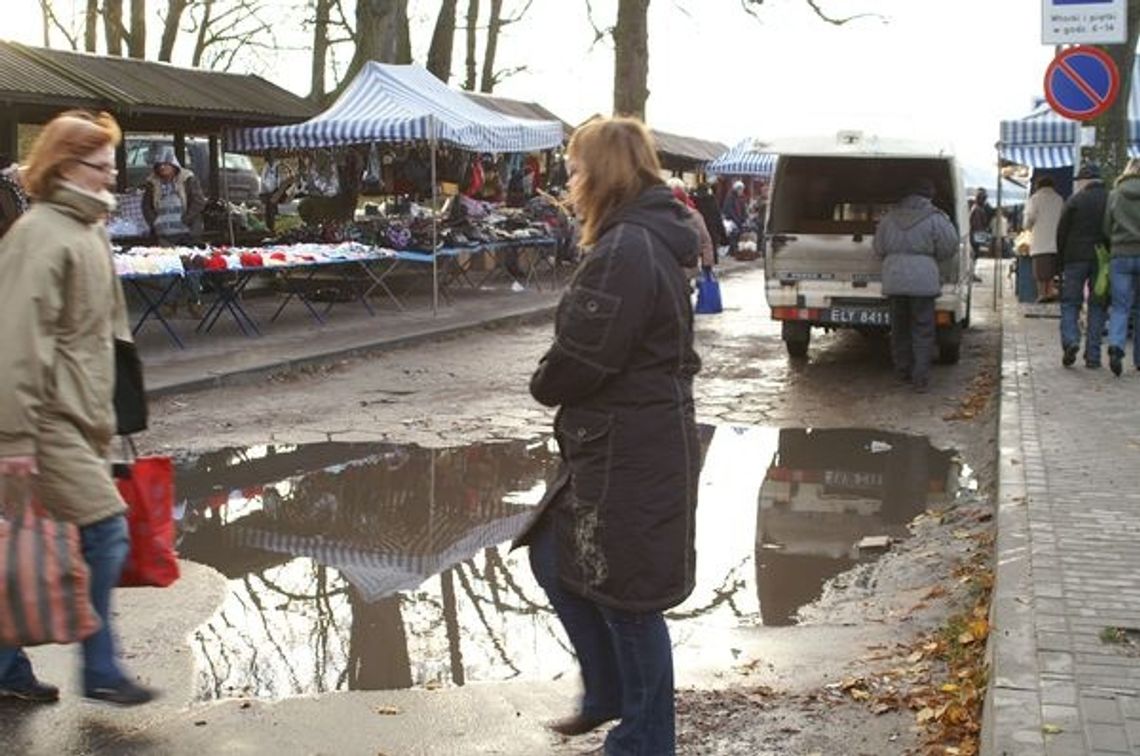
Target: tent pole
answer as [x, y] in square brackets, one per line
[434, 226]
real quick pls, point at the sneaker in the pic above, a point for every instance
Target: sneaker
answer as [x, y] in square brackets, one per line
[1070, 355]
[517, 287]
[33, 692]
[125, 693]
[1115, 360]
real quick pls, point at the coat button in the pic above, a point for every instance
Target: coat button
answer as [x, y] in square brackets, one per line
[592, 306]
[581, 433]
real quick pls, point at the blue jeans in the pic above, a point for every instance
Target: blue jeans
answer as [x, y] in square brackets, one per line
[1076, 276]
[626, 660]
[1123, 274]
[105, 546]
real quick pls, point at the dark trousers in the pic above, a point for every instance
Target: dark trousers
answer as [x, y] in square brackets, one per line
[626, 660]
[912, 336]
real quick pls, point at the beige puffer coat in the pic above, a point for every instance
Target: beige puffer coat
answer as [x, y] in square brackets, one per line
[61, 306]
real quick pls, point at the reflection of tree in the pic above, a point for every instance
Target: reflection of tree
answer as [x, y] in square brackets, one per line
[724, 594]
[378, 646]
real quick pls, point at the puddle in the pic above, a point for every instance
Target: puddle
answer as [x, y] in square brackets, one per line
[377, 566]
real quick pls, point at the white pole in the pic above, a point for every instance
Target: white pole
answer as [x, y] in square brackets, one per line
[434, 226]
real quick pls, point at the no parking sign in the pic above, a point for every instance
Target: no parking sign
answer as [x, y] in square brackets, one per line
[1081, 83]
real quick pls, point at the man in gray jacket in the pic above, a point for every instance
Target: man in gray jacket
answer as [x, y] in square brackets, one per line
[912, 239]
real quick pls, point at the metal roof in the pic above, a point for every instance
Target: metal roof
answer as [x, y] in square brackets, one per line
[519, 109]
[690, 148]
[138, 88]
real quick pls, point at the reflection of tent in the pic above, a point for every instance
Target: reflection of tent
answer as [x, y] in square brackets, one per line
[387, 103]
[747, 158]
[1044, 139]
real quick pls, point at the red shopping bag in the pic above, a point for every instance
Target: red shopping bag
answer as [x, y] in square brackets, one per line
[44, 593]
[147, 485]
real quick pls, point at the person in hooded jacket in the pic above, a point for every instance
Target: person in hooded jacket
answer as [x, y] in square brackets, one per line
[172, 206]
[63, 309]
[1122, 227]
[1079, 231]
[612, 544]
[912, 239]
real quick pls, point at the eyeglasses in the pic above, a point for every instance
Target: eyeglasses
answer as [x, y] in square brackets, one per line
[103, 167]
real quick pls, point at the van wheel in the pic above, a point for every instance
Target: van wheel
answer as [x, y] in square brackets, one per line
[797, 336]
[950, 344]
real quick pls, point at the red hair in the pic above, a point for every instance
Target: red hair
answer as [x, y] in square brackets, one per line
[69, 136]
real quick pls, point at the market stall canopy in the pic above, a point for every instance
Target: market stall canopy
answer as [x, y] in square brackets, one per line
[1044, 139]
[402, 103]
[531, 111]
[682, 152]
[749, 157]
[37, 83]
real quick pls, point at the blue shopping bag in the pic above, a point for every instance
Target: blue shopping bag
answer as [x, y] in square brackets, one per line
[708, 294]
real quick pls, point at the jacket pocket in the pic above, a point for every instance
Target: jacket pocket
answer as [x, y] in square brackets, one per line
[587, 318]
[587, 442]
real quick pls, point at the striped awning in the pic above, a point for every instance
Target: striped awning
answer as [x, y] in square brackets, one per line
[743, 160]
[392, 103]
[1044, 139]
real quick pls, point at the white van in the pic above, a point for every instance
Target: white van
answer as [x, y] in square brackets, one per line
[826, 198]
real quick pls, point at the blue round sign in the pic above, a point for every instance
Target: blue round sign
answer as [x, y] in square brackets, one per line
[1082, 82]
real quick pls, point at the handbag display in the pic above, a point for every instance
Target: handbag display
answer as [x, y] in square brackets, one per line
[147, 486]
[130, 394]
[44, 582]
[708, 294]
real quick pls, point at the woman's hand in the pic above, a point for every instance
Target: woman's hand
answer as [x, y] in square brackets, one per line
[18, 466]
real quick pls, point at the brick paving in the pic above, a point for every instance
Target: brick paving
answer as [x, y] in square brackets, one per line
[1068, 550]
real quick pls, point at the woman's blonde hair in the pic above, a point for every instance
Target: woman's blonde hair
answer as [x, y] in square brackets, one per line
[615, 161]
[69, 136]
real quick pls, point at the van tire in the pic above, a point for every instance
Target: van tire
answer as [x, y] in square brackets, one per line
[950, 344]
[797, 337]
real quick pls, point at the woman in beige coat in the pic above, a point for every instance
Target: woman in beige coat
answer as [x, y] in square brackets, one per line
[61, 307]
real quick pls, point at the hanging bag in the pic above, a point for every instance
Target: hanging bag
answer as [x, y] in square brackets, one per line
[44, 581]
[147, 486]
[1101, 282]
[130, 394]
[708, 294]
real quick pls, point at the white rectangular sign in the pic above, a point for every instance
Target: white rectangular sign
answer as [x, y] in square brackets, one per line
[1095, 22]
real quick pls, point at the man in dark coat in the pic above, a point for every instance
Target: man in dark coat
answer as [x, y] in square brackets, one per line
[1079, 231]
[714, 221]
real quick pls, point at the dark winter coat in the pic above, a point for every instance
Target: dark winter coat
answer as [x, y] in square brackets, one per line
[714, 221]
[621, 372]
[1122, 217]
[1081, 227]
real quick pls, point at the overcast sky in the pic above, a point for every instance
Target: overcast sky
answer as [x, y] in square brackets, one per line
[948, 70]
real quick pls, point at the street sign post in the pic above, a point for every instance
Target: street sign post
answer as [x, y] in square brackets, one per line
[1084, 22]
[1081, 83]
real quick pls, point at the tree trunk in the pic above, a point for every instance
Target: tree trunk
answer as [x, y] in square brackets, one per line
[487, 84]
[442, 41]
[91, 26]
[113, 26]
[403, 34]
[472, 21]
[1113, 131]
[200, 43]
[137, 39]
[320, 50]
[45, 13]
[631, 58]
[170, 28]
[377, 34]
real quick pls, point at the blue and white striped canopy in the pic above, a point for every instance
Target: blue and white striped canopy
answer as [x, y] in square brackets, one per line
[391, 103]
[743, 160]
[1044, 139]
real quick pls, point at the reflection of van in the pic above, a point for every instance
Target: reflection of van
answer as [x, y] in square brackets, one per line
[826, 198]
[240, 181]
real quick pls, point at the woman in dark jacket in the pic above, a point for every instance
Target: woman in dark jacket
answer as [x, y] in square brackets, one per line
[613, 545]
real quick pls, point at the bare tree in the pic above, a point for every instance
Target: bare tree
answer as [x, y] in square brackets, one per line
[113, 26]
[91, 26]
[1111, 150]
[52, 20]
[491, 77]
[442, 41]
[472, 25]
[320, 49]
[378, 33]
[136, 40]
[225, 30]
[170, 28]
[403, 34]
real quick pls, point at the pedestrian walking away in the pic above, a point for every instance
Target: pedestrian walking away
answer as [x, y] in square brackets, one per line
[1122, 227]
[1042, 214]
[912, 239]
[63, 307]
[613, 545]
[1079, 231]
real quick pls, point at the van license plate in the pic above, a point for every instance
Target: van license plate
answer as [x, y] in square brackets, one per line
[857, 316]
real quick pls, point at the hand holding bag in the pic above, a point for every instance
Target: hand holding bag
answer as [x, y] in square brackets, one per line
[147, 486]
[44, 583]
[708, 294]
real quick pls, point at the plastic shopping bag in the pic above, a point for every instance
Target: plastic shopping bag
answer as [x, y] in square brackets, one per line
[708, 294]
[147, 485]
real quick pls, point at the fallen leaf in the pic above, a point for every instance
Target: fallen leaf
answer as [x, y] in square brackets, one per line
[949, 688]
[859, 694]
[388, 710]
[1052, 729]
[924, 716]
[966, 638]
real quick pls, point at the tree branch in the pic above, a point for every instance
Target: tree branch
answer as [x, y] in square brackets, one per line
[516, 16]
[599, 33]
[751, 7]
[49, 14]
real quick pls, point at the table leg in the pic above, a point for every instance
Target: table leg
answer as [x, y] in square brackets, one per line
[153, 307]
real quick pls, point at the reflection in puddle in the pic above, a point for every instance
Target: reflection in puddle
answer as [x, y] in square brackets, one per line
[376, 566]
